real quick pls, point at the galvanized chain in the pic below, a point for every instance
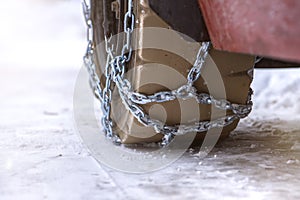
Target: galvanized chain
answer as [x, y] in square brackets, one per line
[195, 72]
[114, 73]
[186, 91]
[89, 55]
[170, 132]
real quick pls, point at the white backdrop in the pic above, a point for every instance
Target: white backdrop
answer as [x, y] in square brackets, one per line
[41, 156]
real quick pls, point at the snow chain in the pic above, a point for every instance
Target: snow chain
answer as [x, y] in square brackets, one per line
[114, 73]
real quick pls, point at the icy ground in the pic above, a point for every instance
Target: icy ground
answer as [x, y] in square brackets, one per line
[41, 155]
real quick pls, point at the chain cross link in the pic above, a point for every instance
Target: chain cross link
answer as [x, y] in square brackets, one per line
[114, 73]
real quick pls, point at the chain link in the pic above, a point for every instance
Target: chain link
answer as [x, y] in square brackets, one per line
[195, 72]
[114, 74]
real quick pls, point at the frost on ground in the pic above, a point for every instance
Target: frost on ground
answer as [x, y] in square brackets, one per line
[42, 157]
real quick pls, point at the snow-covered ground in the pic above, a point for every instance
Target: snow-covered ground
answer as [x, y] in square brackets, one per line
[42, 157]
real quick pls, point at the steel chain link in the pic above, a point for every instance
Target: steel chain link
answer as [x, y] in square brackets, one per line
[114, 73]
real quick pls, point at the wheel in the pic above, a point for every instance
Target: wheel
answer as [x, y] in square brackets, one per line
[158, 62]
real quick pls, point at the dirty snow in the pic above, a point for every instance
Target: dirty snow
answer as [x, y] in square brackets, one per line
[42, 157]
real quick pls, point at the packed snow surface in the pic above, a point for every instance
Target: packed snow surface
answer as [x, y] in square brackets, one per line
[42, 156]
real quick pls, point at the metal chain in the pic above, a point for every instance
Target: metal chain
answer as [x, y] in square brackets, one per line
[114, 73]
[89, 55]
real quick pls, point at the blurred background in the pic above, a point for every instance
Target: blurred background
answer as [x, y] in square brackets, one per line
[41, 157]
[41, 33]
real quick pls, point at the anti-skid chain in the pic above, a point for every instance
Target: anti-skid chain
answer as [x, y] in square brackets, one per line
[114, 74]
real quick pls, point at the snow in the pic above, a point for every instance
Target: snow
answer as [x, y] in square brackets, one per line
[42, 156]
